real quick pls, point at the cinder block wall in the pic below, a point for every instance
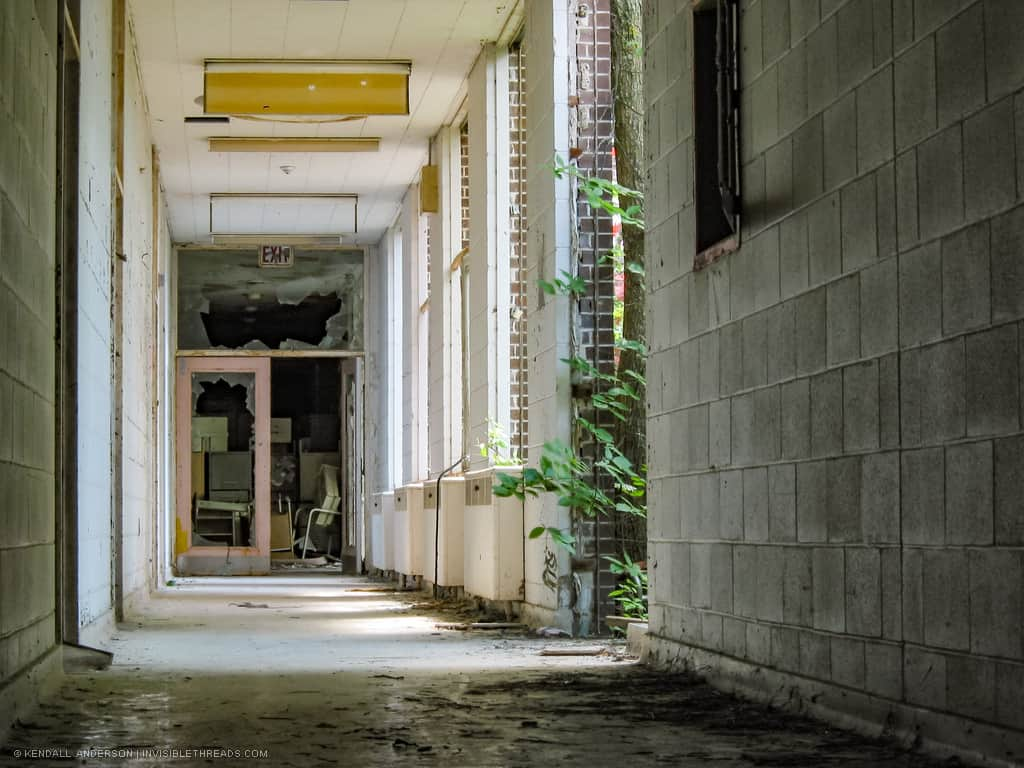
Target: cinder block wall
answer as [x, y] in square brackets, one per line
[28, 81]
[837, 462]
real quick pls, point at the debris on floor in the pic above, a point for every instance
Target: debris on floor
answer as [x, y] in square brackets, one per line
[552, 632]
[592, 650]
[362, 677]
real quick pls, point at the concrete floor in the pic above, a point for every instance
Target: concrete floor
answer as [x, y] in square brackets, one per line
[332, 670]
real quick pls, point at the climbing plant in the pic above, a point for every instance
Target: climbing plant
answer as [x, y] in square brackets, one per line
[610, 483]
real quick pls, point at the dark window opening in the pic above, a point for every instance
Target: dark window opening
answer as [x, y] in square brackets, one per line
[221, 398]
[716, 128]
[237, 321]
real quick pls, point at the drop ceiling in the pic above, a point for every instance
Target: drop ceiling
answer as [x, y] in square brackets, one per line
[441, 38]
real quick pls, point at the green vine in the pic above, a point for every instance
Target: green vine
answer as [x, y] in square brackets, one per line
[577, 483]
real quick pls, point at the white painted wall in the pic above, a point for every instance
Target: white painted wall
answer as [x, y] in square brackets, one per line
[375, 427]
[138, 350]
[95, 373]
[95, 368]
[547, 253]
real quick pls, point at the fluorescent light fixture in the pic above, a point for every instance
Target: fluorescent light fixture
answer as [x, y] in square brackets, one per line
[283, 215]
[296, 240]
[283, 144]
[306, 87]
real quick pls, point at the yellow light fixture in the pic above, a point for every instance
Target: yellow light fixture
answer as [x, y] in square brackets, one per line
[269, 144]
[306, 87]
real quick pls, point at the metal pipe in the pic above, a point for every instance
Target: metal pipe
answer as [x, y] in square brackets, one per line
[437, 517]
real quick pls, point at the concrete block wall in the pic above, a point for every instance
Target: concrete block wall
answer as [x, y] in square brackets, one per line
[836, 454]
[28, 119]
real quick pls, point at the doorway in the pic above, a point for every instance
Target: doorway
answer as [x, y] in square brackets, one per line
[269, 464]
[306, 460]
[223, 460]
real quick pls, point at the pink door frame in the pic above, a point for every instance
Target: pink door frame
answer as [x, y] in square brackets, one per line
[222, 560]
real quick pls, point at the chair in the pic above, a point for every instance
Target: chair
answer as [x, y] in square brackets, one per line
[323, 516]
[220, 522]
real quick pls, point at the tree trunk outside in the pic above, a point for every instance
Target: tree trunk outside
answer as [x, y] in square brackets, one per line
[628, 90]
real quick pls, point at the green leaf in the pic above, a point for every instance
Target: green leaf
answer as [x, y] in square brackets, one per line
[547, 287]
[537, 532]
[632, 346]
[563, 539]
[623, 463]
[532, 477]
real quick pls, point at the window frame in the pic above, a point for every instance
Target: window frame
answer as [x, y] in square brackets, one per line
[727, 127]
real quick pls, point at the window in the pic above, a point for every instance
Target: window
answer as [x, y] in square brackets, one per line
[396, 363]
[716, 128]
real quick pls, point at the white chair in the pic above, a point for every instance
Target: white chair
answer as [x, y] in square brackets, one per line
[324, 515]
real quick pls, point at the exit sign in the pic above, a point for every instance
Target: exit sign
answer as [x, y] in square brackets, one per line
[276, 256]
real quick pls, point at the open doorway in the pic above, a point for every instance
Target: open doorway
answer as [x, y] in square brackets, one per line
[306, 460]
[302, 320]
[223, 466]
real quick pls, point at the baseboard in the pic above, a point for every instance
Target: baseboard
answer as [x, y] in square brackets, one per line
[936, 733]
[98, 632]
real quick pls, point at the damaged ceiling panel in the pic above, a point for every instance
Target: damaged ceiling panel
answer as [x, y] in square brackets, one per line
[227, 301]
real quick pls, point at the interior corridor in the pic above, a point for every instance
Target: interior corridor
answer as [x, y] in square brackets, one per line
[703, 318]
[333, 670]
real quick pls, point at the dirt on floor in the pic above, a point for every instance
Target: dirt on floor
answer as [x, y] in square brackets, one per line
[380, 683]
